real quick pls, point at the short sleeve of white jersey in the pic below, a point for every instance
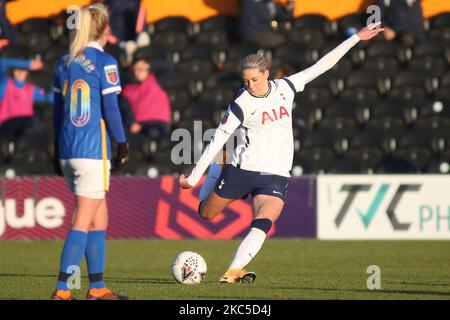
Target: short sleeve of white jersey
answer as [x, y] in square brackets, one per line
[109, 74]
[230, 122]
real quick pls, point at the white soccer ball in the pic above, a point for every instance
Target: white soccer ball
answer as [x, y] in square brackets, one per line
[189, 268]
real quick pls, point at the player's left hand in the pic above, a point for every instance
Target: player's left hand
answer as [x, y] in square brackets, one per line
[121, 156]
[182, 181]
[370, 31]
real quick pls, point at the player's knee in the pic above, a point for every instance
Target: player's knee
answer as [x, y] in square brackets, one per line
[206, 215]
[262, 224]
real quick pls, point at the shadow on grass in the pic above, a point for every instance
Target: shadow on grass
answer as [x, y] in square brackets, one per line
[15, 275]
[108, 279]
[410, 292]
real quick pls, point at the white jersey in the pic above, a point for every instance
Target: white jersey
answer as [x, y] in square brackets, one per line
[264, 137]
[263, 125]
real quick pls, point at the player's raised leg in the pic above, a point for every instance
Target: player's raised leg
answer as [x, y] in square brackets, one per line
[267, 209]
[214, 206]
[208, 185]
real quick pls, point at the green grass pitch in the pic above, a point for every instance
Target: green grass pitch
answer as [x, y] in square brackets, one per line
[285, 268]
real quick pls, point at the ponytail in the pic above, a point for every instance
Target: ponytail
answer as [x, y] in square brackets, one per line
[93, 21]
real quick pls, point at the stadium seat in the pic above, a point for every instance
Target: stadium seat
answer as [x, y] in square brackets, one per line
[196, 52]
[364, 88]
[174, 41]
[151, 53]
[44, 112]
[313, 97]
[130, 168]
[139, 145]
[38, 25]
[341, 117]
[153, 170]
[200, 111]
[172, 23]
[312, 21]
[311, 38]
[441, 20]
[319, 149]
[10, 171]
[197, 69]
[368, 148]
[240, 50]
[443, 91]
[319, 92]
[41, 79]
[36, 42]
[390, 116]
[303, 120]
[178, 98]
[440, 165]
[216, 39]
[295, 54]
[3, 150]
[382, 66]
[434, 117]
[415, 148]
[410, 86]
[224, 80]
[32, 153]
[346, 166]
[180, 82]
[302, 167]
[219, 22]
[385, 49]
[393, 165]
[431, 48]
[440, 35]
[219, 98]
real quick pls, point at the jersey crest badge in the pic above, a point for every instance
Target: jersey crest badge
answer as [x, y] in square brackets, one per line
[112, 76]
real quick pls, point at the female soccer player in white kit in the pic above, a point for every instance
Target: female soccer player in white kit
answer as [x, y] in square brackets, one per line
[261, 114]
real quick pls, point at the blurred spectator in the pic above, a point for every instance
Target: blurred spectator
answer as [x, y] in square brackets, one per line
[17, 97]
[145, 105]
[257, 19]
[8, 33]
[128, 24]
[402, 20]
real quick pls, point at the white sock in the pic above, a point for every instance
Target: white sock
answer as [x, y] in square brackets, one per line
[248, 248]
[210, 181]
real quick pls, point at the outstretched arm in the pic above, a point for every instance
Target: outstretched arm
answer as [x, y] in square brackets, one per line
[329, 60]
[230, 122]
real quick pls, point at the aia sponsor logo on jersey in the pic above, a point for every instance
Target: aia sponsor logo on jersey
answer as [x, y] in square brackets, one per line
[274, 115]
[112, 76]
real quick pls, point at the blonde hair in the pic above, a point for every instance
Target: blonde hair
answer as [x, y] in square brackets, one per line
[93, 21]
[256, 61]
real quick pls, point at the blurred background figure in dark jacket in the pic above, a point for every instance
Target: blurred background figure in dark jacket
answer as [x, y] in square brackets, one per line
[403, 20]
[258, 20]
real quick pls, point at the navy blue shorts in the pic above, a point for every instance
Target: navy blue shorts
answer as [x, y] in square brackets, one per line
[237, 183]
